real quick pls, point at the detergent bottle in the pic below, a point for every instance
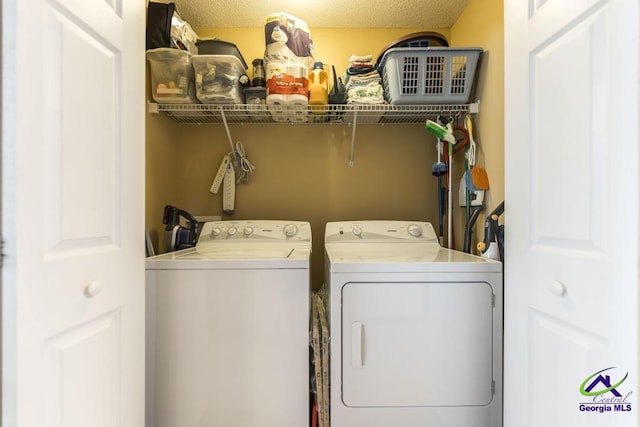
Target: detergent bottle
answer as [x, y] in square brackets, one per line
[318, 89]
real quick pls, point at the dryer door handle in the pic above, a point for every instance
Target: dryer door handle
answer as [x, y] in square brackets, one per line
[357, 335]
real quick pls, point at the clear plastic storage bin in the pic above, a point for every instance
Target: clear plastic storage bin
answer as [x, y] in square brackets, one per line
[433, 75]
[171, 76]
[217, 79]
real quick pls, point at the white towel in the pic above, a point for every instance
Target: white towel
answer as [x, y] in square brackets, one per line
[372, 93]
[366, 59]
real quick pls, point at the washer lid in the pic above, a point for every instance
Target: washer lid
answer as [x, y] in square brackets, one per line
[401, 257]
[234, 257]
[243, 244]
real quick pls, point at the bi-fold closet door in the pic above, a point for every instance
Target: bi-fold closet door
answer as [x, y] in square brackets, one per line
[417, 344]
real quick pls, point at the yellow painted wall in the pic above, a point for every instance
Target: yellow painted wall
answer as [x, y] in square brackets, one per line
[482, 24]
[163, 157]
[302, 171]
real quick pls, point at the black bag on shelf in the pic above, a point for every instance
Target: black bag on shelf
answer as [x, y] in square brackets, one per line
[165, 31]
[159, 24]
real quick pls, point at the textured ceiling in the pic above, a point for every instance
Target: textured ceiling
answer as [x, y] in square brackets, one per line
[324, 13]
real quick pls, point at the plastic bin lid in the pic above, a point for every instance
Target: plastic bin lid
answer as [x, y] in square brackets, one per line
[167, 54]
[228, 47]
[212, 58]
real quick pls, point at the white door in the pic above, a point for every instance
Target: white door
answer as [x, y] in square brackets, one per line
[72, 200]
[571, 261]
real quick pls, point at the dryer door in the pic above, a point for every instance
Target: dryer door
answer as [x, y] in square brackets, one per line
[417, 344]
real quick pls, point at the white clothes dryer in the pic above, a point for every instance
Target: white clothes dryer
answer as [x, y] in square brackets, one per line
[416, 329]
[228, 328]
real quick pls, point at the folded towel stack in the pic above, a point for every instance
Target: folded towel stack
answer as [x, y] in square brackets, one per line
[363, 81]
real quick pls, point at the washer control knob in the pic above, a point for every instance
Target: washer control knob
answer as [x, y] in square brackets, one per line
[414, 230]
[232, 231]
[357, 230]
[290, 230]
[216, 232]
[247, 231]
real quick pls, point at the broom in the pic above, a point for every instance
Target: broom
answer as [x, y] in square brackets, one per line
[438, 170]
[442, 132]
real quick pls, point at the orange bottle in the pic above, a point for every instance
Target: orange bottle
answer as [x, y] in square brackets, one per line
[318, 89]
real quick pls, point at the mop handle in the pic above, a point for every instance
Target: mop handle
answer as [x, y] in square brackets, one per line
[450, 201]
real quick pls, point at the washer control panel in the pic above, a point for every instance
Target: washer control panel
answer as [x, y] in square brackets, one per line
[255, 230]
[380, 231]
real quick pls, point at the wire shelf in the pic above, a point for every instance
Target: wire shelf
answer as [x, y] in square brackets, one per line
[305, 115]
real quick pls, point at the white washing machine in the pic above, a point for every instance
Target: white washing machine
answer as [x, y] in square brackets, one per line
[416, 329]
[228, 328]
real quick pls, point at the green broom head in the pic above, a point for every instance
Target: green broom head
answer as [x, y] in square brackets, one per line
[441, 132]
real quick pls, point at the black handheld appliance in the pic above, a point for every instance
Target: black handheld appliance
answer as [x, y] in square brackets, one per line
[468, 228]
[493, 244]
[179, 237]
